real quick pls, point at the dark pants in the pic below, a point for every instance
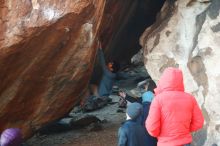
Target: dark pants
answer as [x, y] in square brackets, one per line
[187, 145]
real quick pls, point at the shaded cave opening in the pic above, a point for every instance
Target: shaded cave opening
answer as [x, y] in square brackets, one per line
[126, 41]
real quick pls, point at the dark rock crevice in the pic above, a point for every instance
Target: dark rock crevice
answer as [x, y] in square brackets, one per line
[213, 10]
[125, 40]
[161, 22]
[122, 27]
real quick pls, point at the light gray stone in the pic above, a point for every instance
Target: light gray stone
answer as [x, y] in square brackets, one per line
[189, 39]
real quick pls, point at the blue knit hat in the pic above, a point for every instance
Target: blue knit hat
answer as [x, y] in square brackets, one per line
[147, 96]
[134, 110]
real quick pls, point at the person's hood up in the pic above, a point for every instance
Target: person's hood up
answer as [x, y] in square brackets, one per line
[171, 80]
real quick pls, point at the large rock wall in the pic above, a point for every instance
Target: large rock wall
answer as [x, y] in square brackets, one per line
[47, 53]
[186, 35]
[47, 50]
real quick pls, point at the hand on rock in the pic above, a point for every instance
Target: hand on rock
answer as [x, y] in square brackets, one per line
[99, 45]
[122, 94]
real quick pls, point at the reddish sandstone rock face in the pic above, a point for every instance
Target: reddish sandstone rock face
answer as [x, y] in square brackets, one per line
[47, 50]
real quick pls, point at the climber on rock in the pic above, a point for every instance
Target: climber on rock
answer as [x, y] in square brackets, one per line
[109, 71]
[109, 74]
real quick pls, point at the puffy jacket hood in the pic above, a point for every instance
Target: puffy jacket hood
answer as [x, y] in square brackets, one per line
[171, 80]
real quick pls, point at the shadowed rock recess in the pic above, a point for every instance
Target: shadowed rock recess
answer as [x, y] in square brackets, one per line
[186, 34]
[48, 48]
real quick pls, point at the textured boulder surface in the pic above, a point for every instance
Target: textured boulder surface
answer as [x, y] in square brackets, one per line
[47, 53]
[47, 50]
[186, 35]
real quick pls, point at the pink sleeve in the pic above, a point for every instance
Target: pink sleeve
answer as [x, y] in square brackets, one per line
[197, 117]
[152, 122]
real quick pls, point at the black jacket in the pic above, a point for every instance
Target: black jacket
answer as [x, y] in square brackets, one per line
[132, 133]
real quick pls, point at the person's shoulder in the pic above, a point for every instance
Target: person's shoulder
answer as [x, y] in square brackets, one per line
[124, 127]
[127, 123]
[146, 104]
[189, 96]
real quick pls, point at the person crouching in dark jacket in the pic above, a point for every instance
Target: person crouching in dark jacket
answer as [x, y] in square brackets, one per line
[147, 98]
[132, 133]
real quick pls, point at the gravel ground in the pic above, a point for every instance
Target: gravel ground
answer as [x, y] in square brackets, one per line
[85, 137]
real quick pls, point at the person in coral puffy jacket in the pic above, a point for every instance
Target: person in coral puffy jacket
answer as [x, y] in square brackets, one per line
[173, 113]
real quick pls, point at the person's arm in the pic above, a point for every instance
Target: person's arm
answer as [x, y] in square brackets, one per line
[152, 122]
[122, 139]
[122, 94]
[197, 117]
[102, 59]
